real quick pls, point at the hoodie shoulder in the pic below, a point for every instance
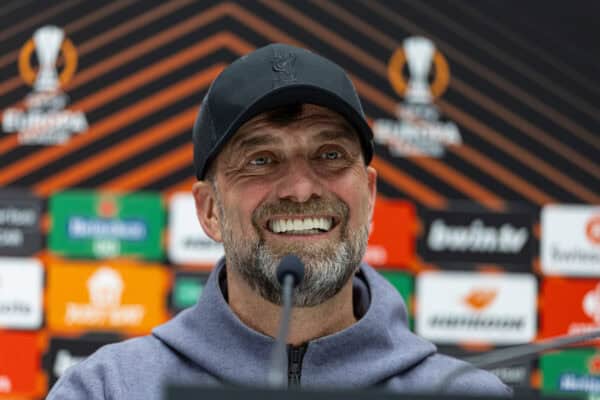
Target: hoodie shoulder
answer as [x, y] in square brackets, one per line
[433, 371]
[92, 378]
[132, 369]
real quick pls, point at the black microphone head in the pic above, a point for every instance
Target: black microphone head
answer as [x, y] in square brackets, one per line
[290, 264]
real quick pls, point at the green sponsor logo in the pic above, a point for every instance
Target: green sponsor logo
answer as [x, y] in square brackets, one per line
[571, 372]
[404, 283]
[186, 291]
[99, 225]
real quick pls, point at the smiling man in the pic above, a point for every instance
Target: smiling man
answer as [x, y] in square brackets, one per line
[296, 182]
[282, 151]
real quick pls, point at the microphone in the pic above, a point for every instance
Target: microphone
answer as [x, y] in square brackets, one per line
[290, 273]
[509, 355]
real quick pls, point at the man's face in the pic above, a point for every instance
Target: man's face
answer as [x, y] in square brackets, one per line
[298, 188]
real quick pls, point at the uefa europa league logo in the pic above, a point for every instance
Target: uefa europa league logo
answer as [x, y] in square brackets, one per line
[47, 46]
[419, 54]
[43, 119]
[419, 73]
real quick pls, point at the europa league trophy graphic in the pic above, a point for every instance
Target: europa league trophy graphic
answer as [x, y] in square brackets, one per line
[47, 45]
[43, 118]
[419, 53]
[418, 129]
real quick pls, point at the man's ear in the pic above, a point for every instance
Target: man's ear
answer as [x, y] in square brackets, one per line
[372, 183]
[207, 209]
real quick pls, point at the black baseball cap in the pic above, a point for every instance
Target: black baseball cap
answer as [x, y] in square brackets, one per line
[270, 77]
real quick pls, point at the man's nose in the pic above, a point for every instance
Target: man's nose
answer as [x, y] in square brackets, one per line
[300, 182]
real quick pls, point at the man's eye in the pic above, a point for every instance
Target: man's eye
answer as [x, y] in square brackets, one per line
[331, 155]
[262, 160]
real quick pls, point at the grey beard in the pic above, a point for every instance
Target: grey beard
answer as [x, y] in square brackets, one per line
[326, 269]
[325, 274]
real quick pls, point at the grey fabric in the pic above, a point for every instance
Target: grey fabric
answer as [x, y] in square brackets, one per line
[208, 344]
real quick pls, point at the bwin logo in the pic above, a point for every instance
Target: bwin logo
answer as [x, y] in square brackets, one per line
[476, 237]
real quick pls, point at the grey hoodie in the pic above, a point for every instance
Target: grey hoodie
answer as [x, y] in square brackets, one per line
[208, 344]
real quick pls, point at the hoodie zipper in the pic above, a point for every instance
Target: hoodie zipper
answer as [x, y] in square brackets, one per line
[295, 356]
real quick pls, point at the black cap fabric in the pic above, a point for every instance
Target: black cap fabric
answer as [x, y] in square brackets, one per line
[273, 76]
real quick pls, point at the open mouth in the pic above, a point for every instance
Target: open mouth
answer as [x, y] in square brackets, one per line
[301, 226]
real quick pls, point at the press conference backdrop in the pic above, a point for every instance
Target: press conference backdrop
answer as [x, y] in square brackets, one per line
[486, 123]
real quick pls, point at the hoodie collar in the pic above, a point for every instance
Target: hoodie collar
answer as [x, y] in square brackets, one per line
[378, 346]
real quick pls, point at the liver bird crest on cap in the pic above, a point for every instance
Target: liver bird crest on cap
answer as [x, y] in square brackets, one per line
[283, 64]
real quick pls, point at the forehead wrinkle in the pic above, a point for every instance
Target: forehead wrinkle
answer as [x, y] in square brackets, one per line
[338, 128]
[247, 141]
[255, 141]
[324, 117]
[249, 138]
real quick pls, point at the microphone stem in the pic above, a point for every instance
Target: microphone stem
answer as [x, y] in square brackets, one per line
[278, 373]
[514, 354]
[491, 359]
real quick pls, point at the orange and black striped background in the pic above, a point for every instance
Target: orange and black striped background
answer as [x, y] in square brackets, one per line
[523, 92]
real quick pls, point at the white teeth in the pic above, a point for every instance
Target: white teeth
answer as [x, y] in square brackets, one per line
[323, 224]
[300, 225]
